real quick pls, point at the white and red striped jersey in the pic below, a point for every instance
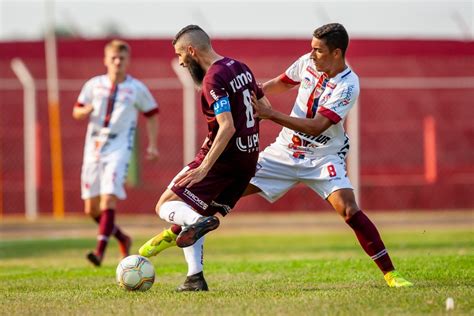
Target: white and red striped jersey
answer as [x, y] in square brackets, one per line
[330, 97]
[113, 121]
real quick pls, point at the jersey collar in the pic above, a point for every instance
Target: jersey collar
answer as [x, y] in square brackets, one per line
[343, 74]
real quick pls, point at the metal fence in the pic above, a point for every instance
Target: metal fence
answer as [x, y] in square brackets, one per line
[416, 114]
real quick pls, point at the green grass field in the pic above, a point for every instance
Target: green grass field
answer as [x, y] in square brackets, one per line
[249, 273]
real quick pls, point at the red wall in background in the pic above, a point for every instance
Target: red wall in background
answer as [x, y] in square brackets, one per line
[403, 84]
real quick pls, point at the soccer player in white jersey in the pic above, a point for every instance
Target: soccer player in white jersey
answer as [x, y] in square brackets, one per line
[312, 145]
[112, 102]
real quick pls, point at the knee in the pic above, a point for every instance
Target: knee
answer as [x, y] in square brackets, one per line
[92, 211]
[108, 202]
[157, 208]
[87, 211]
[167, 196]
[344, 202]
[347, 209]
[350, 211]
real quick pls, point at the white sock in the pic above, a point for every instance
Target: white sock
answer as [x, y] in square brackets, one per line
[178, 212]
[194, 256]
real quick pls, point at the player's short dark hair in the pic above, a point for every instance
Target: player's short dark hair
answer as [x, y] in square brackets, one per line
[197, 36]
[118, 45]
[334, 35]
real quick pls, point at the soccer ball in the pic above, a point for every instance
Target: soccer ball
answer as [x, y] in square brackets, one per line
[135, 273]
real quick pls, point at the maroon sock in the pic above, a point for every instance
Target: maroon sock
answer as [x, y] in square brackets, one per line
[121, 236]
[106, 226]
[176, 229]
[369, 239]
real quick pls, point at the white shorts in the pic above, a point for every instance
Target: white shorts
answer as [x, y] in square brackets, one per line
[103, 177]
[278, 171]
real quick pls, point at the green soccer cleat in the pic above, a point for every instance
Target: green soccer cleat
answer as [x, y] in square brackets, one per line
[394, 279]
[157, 244]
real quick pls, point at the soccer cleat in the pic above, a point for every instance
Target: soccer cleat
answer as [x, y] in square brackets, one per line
[394, 279]
[125, 246]
[190, 234]
[157, 244]
[194, 283]
[94, 259]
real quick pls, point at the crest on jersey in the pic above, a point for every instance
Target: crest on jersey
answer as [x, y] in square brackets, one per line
[307, 82]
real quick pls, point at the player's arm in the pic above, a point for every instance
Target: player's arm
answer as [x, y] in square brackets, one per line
[278, 85]
[311, 126]
[224, 134]
[152, 127]
[81, 111]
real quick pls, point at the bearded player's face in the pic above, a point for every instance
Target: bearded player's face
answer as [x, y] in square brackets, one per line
[186, 60]
[195, 69]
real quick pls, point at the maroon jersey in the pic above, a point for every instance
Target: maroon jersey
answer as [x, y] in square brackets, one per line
[234, 80]
[227, 85]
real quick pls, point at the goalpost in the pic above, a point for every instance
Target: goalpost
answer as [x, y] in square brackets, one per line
[30, 137]
[189, 111]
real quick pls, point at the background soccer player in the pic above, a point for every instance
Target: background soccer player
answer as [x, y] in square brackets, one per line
[112, 102]
[226, 162]
[312, 145]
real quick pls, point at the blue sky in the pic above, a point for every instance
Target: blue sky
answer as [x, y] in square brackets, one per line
[447, 19]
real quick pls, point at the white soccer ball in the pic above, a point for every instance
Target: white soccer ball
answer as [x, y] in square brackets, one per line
[135, 273]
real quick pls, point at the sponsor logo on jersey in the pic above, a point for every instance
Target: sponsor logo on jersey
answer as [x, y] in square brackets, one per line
[213, 94]
[247, 143]
[346, 96]
[221, 105]
[196, 199]
[171, 216]
[304, 140]
[230, 63]
[325, 99]
[296, 140]
[312, 71]
[332, 85]
[241, 80]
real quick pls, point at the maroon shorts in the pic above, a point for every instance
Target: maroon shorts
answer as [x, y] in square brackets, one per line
[219, 191]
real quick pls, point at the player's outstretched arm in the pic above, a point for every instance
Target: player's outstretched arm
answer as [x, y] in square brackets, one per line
[276, 85]
[311, 126]
[82, 111]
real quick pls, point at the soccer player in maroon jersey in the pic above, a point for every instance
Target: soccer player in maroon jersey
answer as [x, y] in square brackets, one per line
[215, 180]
